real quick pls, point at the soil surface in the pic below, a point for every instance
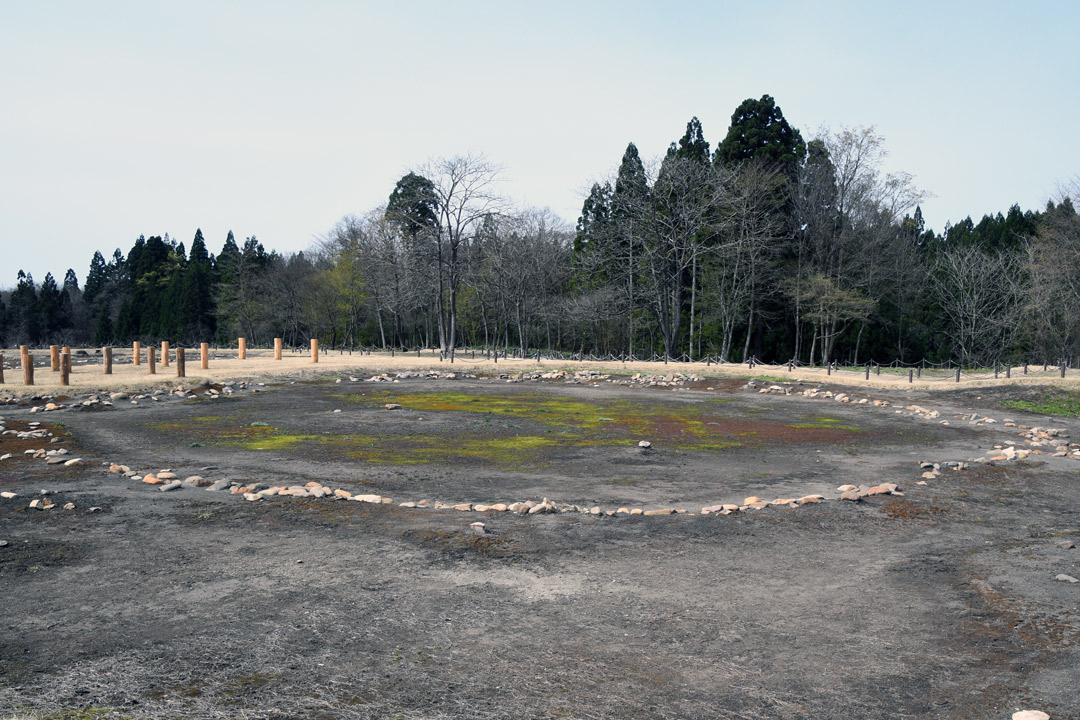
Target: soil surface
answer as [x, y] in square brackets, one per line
[938, 603]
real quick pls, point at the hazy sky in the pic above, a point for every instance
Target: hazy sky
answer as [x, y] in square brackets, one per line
[275, 119]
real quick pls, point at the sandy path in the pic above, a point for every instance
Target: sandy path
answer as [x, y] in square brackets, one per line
[224, 366]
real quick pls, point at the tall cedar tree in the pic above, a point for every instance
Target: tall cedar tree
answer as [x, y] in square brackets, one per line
[24, 313]
[50, 309]
[759, 131]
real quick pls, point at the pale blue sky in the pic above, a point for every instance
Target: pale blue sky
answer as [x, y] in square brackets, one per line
[275, 119]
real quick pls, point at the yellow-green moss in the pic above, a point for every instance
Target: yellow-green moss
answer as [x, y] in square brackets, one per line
[821, 421]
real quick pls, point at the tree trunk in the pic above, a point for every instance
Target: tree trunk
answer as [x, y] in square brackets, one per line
[749, 331]
[858, 341]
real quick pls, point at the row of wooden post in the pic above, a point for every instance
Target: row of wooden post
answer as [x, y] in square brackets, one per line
[60, 359]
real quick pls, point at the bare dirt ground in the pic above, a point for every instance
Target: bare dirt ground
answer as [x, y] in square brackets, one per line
[941, 603]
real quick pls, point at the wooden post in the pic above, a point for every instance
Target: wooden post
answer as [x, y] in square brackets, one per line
[106, 355]
[65, 368]
[1, 369]
[242, 342]
[867, 371]
[1008, 371]
[54, 358]
[957, 373]
[314, 350]
[65, 349]
[1062, 368]
[790, 365]
[165, 353]
[918, 372]
[136, 351]
[277, 348]
[151, 360]
[910, 375]
[996, 367]
[1025, 368]
[828, 368]
[877, 369]
[204, 356]
[28, 369]
[24, 350]
[180, 362]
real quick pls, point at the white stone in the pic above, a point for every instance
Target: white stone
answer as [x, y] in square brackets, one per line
[1066, 578]
[367, 498]
[1030, 715]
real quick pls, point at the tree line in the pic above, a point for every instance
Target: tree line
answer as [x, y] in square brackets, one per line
[768, 247]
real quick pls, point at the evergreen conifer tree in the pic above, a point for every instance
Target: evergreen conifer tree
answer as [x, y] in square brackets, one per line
[759, 131]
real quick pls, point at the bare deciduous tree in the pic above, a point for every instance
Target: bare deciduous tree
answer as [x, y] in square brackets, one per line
[979, 293]
[464, 188]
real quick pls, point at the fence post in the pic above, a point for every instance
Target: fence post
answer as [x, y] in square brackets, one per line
[204, 356]
[1062, 368]
[277, 348]
[314, 350]
[65, 368]
[910, 375]
[957, 373]
[1025, 368]
[164, 353]
[877, 369]
[918, 372]
[54, 358]
[136, 351]
[996, 367]
[180, 370]
[1008, 371]
[106, 359]
[828, 368]
[28, 368]
[867, 371]
[151, 360]
[242, 352]
[1, 369]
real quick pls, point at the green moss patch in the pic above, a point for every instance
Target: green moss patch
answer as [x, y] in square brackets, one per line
[512, 430]
[1054, 401]
[821, 421]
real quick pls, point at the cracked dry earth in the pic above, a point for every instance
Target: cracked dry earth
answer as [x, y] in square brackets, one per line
[938, 603]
